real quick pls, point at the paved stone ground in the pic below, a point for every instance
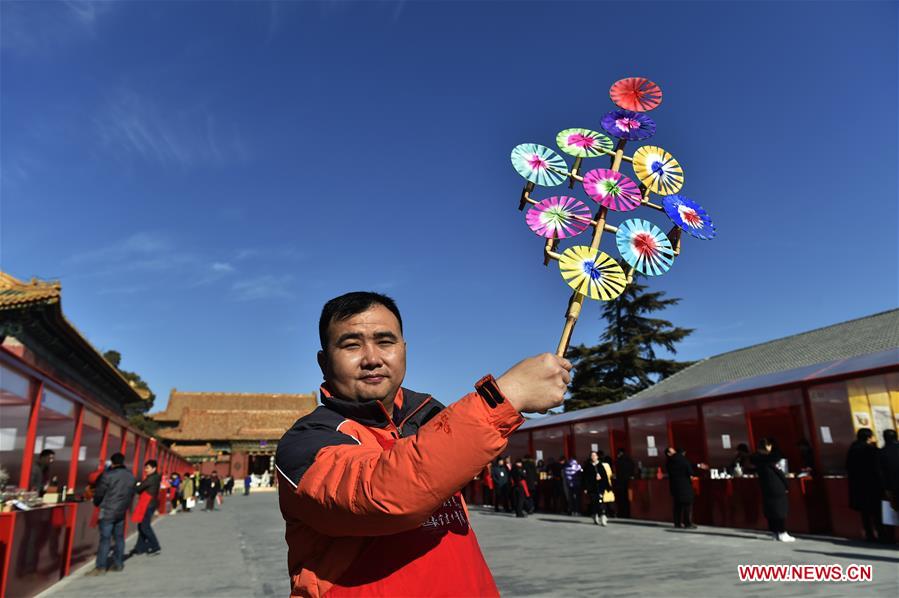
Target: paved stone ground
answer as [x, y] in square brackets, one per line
[240, 551]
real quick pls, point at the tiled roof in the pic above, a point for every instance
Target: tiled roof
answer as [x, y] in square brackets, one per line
[867, 343]
[203, 450]
[227, 424]
[16, 294]
[238, 401]
[871, 334]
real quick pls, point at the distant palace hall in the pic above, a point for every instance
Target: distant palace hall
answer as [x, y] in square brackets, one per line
[232, 433]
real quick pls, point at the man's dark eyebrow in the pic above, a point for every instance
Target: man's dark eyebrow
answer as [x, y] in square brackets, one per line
[386, 334]
[348, 336]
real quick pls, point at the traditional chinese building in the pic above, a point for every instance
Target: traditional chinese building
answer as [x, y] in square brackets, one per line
[57, 392]
[231, 433]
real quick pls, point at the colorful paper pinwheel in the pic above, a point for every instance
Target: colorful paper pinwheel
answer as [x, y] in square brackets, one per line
[625, 124]
[636, 93]
[583, 143]
[539, 164]
[644, 246]
[689, 216]
[658, 170]
[612, 189]
[559, 217]
[592, 273]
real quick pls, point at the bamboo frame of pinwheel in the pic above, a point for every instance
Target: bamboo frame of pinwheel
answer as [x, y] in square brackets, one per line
[644, 247]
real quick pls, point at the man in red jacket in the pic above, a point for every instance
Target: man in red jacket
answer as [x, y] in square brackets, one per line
[370, 480]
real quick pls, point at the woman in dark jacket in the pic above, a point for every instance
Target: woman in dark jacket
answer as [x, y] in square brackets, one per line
[596, 483]
[773, 482]
[147, 542]
[865, 488]
[680, 482]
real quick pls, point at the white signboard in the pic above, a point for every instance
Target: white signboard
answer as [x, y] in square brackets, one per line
[594, 447]
[539, 455]
[7, 439]
[54, 442]
[82, 453]
[725, 441]
[652, 451]
[826, 438]
[651, 441]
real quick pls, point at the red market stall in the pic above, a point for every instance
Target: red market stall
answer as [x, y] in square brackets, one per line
[810, 392]
[57, 393]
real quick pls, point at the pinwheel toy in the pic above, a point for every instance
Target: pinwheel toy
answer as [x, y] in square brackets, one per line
[689, 216]
[612, 189]
[559, 217]
[643, 247]
[582, 143]
[658, 170]
[626, 124]
[637, 94]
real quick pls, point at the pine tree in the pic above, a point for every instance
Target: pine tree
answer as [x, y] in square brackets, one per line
[625, 362]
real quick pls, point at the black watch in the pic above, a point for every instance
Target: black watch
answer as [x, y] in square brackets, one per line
[489, 391]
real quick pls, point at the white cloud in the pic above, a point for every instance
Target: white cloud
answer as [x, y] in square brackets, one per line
[132, 125]
[263, 287]
[223, 267]
[39, 28]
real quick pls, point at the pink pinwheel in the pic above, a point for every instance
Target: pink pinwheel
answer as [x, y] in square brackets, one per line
[612, 189]
[559, 217]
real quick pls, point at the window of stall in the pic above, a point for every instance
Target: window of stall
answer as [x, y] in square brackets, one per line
[830, 408]
[876, 397]
[55, 431]
[549, 443]
[89, 451]
[113, 440]
[648, 437]
[591, 436]
[725, 429]
[15, 404]
[518, 445]
[781, 417]
[141, 453]
[129, 448]
[686, 432]
[617, 435]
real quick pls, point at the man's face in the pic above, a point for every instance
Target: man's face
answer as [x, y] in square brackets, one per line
[366, 356]
[149, 469]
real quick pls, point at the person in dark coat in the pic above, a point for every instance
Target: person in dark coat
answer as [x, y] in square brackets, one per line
[212, 490]
[531, 477]
[773, 482]
[889, 475]
[680, 482]
[596, 484]
[865, 488]
[625, 469]
[520, 492]
[147, 542]
[113, 494]
[501, 494]
[558, 502]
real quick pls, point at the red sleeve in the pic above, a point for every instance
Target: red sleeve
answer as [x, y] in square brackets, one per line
[359, 490]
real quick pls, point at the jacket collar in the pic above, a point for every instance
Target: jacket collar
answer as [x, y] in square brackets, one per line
[372, 413]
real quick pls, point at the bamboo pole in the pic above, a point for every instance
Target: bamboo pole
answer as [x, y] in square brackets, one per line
[527, 189]
[573, 173]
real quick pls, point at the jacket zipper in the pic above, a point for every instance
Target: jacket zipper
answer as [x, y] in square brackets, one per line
[398, 430]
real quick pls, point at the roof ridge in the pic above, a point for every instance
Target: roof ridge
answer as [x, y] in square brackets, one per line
[789, 336]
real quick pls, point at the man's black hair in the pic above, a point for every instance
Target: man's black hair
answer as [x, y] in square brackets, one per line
[889, 435]
[152, 463]
[864, 434]
[47, 453]
[117, 459]
[350, 304]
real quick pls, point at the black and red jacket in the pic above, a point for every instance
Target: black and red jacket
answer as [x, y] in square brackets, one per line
[372, 502]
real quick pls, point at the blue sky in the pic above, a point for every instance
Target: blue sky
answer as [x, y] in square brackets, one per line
[203, 176]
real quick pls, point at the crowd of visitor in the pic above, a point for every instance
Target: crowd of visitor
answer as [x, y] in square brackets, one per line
[600, 487]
